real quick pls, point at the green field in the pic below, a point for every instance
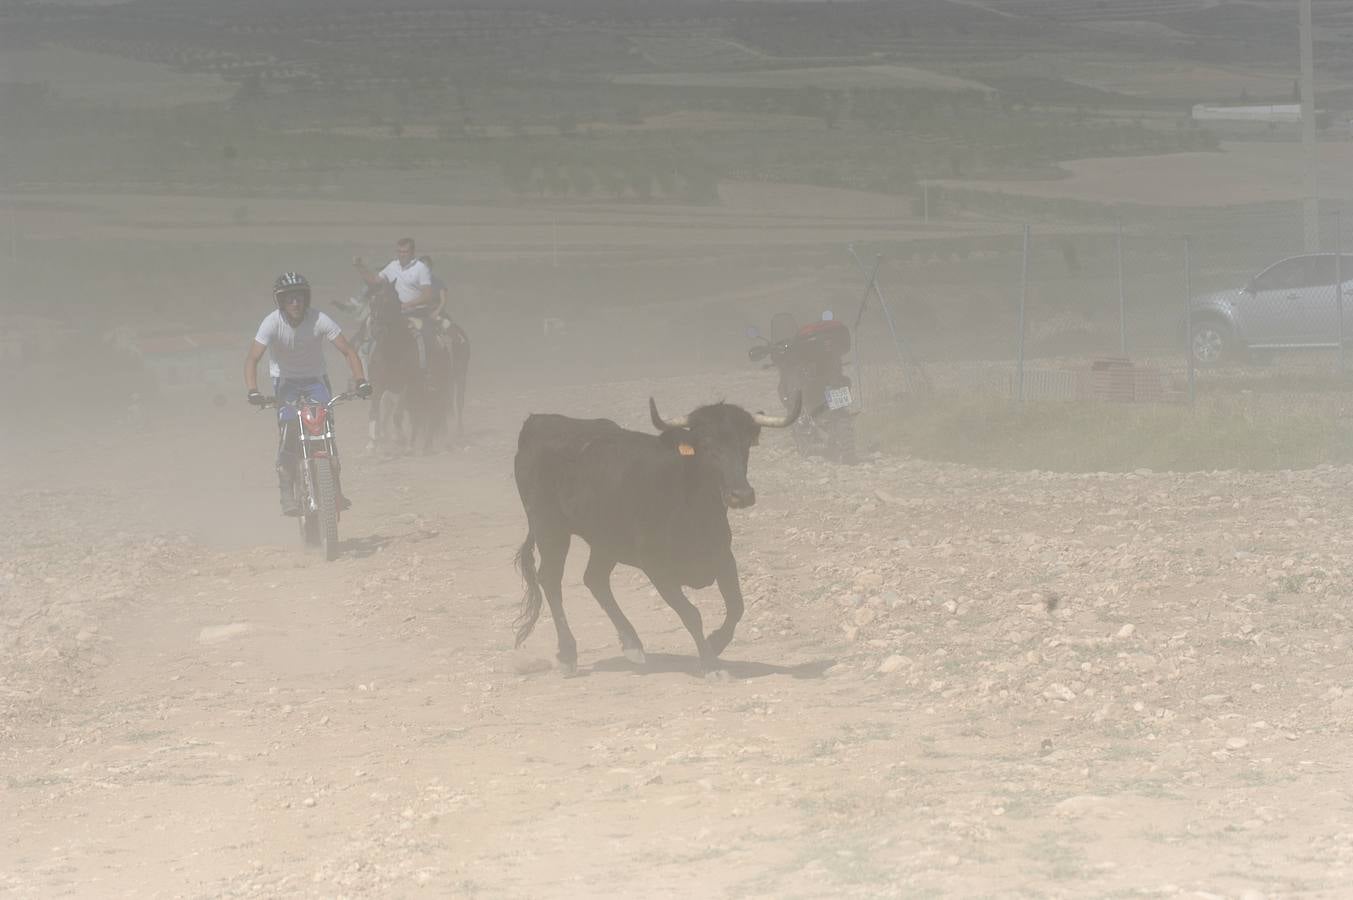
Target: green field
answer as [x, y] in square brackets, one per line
[103, 79]
[577, 102]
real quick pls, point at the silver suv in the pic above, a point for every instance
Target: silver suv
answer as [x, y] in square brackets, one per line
[1289, 305]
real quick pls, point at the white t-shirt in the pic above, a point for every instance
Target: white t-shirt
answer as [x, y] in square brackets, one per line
[409, 282]
[297, 352]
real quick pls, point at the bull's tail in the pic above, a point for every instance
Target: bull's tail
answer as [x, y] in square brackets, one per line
[532, 598]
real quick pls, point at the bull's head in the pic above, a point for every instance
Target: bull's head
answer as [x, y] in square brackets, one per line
[721, 436]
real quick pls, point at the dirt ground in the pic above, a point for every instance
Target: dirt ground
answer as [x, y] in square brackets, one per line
[949, 682]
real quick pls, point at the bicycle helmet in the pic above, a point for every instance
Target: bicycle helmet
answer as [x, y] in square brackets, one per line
[291, 283]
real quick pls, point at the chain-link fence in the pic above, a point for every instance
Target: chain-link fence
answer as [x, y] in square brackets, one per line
[1144, 308]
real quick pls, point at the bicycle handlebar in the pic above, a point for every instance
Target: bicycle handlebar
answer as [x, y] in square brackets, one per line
[272, 402]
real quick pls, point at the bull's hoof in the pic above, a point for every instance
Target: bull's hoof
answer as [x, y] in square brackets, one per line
[718, 676]
[718, 642]
[636, 655]
[568, 669]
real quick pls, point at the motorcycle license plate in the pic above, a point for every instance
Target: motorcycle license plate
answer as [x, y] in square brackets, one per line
[838, 397]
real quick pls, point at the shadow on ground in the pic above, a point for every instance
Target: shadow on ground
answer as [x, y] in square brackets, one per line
[362, 547]
[669, 663]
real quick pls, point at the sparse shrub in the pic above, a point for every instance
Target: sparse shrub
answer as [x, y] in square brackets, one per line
[640, 181]
[515, 173]
[584, 180]
[553, 180]
[612, 181]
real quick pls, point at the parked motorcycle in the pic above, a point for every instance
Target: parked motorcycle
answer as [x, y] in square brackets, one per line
[809, 360]
[308, 441]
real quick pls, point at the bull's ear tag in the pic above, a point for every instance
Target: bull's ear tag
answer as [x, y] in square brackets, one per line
[685, 449]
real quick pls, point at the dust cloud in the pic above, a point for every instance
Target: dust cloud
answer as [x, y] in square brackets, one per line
[1057, 647]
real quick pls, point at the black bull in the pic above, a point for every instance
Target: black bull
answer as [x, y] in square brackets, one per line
[656, 502]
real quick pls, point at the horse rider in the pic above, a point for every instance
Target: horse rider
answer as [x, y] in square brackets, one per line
[412, 280]
[294, 336]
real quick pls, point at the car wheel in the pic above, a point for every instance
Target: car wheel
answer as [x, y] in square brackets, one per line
[1213, 343]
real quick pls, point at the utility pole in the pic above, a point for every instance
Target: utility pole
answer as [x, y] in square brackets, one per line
[1310, 200]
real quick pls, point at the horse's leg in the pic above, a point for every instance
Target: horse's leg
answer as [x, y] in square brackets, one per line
[431, 413]
[392, 407]
[373, 415]
[438, 411]
[452, 414]
[407, 419]
[462, 380]
[442, 422]
[420, 426]
[452, 410]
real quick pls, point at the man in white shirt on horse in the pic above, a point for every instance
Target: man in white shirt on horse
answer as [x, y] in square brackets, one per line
[412, 280]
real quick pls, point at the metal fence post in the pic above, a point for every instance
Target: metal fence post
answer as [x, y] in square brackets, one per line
[1339, 288]
[1122, 306]
[859, 317]
[904, 354]
[1023, 300]
[1188, 321]
[887, 313]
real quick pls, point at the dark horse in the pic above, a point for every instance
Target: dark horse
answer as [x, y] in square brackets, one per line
[401, 389]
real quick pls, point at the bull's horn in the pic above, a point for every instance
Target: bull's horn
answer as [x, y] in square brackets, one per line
[665, 424]
[766, 421]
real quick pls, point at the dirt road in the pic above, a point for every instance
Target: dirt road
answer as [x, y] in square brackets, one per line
[950, 681]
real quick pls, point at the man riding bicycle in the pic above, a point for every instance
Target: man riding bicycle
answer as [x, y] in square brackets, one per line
[294, 336]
